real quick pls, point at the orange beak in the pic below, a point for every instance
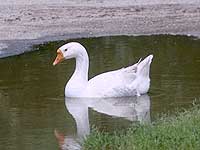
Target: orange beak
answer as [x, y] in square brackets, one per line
[59, 57]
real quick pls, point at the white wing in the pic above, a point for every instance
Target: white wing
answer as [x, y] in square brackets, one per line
[112, 83]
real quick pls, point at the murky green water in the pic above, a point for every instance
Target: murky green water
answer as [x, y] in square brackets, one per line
[32, 103]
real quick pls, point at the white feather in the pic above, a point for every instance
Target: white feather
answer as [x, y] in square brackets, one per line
[129, 81]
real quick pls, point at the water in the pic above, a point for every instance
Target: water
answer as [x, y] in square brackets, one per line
[33, 108]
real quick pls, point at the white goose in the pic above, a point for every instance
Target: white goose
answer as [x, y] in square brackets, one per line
[130, 81]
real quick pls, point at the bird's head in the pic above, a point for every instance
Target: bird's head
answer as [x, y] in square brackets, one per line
[67, 51]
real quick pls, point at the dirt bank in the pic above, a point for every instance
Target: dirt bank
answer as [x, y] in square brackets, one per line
[23, 24]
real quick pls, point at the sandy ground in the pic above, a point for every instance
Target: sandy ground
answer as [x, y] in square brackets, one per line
[24, 23]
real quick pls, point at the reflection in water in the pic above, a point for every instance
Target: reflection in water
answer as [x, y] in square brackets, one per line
[67, 143]
[130, 108]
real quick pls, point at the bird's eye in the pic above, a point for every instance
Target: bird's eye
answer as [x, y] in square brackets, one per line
[65, 50]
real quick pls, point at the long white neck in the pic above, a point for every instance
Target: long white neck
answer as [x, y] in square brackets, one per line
[82, 65]
[79, 79]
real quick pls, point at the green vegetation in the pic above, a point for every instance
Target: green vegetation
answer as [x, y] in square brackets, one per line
[181, 131]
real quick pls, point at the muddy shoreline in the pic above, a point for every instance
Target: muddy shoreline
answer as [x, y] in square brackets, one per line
[22, 26]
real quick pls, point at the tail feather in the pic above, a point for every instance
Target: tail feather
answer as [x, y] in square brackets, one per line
[144, 66]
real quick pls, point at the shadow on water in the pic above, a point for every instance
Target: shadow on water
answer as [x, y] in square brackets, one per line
[129, 108]
[32, 90]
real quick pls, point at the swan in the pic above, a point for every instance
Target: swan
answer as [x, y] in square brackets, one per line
[130, 81]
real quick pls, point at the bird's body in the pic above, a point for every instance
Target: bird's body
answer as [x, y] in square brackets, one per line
[129, 81]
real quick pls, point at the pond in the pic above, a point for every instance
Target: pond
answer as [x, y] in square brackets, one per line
[34, 112]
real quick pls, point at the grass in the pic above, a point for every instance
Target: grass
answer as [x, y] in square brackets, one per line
[178, 132]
